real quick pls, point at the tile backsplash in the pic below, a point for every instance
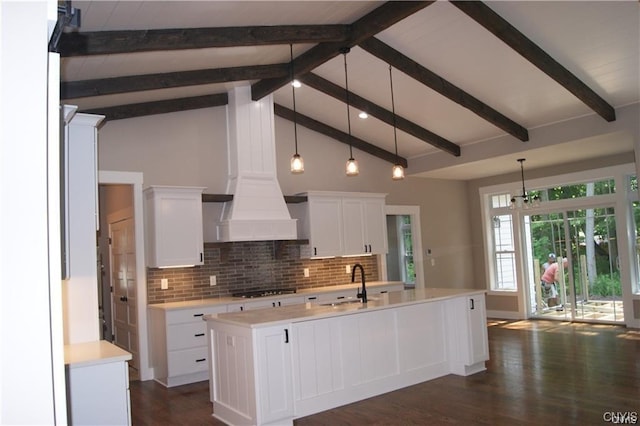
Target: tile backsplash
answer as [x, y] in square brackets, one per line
[243, 266]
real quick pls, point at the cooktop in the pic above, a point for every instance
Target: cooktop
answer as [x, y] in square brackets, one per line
[263, 293]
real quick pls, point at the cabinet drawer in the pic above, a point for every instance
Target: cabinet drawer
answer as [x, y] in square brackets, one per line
[186, 336]
[187, 361]
[193, 315]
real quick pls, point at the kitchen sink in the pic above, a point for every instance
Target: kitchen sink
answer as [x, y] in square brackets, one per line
[347, 302]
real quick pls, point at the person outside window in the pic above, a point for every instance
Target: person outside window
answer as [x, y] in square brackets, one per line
[550, 279]
[550, 260]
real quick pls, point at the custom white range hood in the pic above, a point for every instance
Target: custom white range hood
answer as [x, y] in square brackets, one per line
[258, 211]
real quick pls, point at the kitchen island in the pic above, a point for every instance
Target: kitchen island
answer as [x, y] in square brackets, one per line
[270, 366]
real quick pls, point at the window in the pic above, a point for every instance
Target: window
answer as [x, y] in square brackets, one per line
[587, 189]
[504, 255]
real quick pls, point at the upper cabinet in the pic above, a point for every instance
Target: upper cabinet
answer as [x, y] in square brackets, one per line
[365, 227]
[342, 224]
[173, 226]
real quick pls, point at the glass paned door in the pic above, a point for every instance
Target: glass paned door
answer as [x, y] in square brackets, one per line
[589, 286]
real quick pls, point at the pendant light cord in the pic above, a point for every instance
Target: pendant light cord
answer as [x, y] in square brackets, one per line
[524, 193]
[393, 111]
[346, 88]
[293, 89]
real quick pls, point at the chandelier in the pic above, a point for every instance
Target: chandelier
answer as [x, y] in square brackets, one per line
[524, 200]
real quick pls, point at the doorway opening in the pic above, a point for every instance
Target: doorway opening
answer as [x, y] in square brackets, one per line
[403, 261]
[589, 288]
[121, 216]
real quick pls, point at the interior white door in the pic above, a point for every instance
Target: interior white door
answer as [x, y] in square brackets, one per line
[123, 282]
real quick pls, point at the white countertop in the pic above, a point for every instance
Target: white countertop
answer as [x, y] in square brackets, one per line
[300, 292]
[304, 312]
[93, 353]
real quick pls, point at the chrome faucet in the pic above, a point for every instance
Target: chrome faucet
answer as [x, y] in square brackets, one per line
[363, 294]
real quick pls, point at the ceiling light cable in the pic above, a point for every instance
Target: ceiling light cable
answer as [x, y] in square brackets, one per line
[297, 163]
[352, 165]
[397, 172]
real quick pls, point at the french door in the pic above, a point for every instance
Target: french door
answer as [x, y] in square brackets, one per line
[589, 289]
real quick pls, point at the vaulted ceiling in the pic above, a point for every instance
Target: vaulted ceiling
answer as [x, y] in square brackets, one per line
[463, 72]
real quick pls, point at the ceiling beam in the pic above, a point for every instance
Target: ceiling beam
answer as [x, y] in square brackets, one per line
[430, 79]
[338, 135]
[114, 42]
[337, 92]
[135, 83]
[485, 16]
[120, 112]
[374, 22]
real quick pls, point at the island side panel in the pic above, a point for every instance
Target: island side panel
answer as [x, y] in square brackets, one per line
[232, 374]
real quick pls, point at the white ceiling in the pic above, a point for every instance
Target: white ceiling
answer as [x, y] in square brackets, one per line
[598, 41]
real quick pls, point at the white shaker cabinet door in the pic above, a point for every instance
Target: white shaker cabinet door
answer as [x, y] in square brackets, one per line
[174, 229]
[274, 378]
[325, 227]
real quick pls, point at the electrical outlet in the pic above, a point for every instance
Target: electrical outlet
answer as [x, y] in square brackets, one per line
[348, 269]
[164, 284]
[212, 280]
[306, 272]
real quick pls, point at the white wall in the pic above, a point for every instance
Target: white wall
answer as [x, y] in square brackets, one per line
[189, 148]
[28, 358]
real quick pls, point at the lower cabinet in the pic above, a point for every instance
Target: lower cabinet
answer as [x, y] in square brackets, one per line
[468, 341]
[273, 378]
[97, 384]
[179, 345]
[271, 374]
[265, 303]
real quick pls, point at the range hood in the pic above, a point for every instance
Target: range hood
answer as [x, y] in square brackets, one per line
[258, 211]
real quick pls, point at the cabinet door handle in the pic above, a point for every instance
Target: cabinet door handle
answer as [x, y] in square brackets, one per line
[286, 335]
[201, 360]
[370, 248]
[340, 297]
[365, 249]
[473, 306]
[242, 308]
[273, 304]
[311, 298]
[279, 303]
[315, 251]
[198, 315]
[199, 335]
[201, 257]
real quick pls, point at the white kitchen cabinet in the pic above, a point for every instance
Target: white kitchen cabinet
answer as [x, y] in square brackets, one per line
[274, 374]
[80, 289]
[173, 226]
[179, 344]
[321, 224]
[469, 340]
[97, 384]
[261, 359]
[341, 223]
[364, 224]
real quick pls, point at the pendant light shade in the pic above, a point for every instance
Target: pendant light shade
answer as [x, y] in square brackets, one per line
[352, 168]
[397, 172]
[297, 163]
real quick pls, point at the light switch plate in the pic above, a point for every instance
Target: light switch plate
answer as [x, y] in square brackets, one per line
[212, 280]
[164, 284]
[306, 272]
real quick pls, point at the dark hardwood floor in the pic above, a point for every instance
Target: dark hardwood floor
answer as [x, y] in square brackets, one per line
[540, 373]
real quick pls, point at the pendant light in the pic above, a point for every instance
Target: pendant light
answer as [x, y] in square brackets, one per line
[397, 172]
[524, 200]
[297, 163]
[352, 165]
